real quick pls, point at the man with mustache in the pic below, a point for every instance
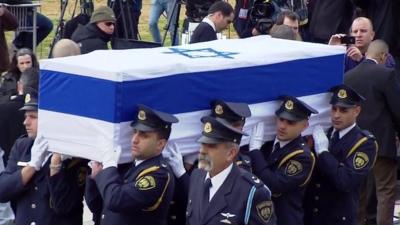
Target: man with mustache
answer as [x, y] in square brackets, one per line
[286, 166]
[220, 192]
[343, 161]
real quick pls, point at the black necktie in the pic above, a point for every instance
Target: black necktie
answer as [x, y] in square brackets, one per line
[335, 138]
[206, 197]
[276, 146]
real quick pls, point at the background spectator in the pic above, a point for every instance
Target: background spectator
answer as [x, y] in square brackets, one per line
[283, 32]
[98, 32]
[23, 59]
[65, 47]
[7, 22]
[157, 8]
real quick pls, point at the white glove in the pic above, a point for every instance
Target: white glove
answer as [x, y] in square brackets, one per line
[321, 142]
[257, 137]
[38, 152]
[110, 158]
[174, 158]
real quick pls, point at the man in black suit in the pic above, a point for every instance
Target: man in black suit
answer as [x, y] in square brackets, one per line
[381, 116]
[220, 15]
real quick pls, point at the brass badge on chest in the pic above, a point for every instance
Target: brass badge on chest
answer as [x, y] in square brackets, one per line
[293, 168]
[360, 160]
[264, 210]
[146, 183]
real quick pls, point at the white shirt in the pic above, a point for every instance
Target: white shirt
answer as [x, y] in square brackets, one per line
[344, 131]
[137, 162]
[218, 180]
[211, 23]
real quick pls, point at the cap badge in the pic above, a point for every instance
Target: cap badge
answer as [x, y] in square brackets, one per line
[289, 105]
[219, 110]
[207, 127]
[27, 98]
[141, 115]
[342, 93]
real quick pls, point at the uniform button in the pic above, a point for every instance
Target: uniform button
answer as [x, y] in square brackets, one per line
[33, 223]
[102, 216]
[315, 210]
[343, 218]
[316, 198]
[36, 188]
[173, 217]
[33, 206]
[318, 185]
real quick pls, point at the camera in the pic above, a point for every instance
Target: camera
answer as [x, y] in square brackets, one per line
[261, 15]
[348, 40]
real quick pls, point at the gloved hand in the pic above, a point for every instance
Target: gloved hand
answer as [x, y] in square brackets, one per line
[38, 152]
[174, 158]
[257, 137]
[110, 158]
[321, 142]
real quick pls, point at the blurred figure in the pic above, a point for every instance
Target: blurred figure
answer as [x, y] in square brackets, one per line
[290, 19]
[157, 9]
[98, 32]
[282, 32]
[64, 48]
[8, 22]
[23, 59]
[44, 27]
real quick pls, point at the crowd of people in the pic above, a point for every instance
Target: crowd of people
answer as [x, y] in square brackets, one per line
[344, 175]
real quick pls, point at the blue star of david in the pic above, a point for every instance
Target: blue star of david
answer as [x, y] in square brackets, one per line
[201, 53]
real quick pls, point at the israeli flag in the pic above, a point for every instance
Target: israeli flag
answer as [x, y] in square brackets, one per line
[87, 102]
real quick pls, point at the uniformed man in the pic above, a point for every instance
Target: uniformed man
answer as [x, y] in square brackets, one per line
[142, 195]
[25, 181]
[221, 192]
[343, 161]
[235, 114]
[286, 166]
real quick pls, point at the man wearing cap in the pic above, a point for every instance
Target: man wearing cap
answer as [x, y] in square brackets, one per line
[286, 166]
[26, 181]
[219, 191]
[98, 32]
[343, 161]
[143, 193]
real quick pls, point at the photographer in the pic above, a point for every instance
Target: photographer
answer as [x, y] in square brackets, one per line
[262, 17]
[362, 33]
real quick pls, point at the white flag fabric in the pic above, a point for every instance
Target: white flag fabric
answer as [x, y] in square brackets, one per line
[87, 102]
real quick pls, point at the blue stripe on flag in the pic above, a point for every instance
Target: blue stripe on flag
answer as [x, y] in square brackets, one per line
[95, 98]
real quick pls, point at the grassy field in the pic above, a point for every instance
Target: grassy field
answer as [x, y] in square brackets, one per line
[51, 8]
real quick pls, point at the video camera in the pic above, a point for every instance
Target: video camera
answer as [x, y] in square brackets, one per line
[196, 10]
[261, 14]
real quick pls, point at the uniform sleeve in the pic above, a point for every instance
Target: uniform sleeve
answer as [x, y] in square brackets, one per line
[92, 196]
[67, 188]
[348, 175]
[146, 193]
[288, 177]
[11, 178]
[262, 209]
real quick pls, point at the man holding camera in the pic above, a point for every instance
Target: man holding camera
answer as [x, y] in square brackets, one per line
[363, 33]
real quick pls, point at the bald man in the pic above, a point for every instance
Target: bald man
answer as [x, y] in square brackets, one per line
[64, 48]
[381, 116]
[364, 34]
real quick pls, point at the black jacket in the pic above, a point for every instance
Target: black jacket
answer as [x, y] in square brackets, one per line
[90, 38]
[380, 112]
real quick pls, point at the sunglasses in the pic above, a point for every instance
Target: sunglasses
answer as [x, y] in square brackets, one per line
[109, 24]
